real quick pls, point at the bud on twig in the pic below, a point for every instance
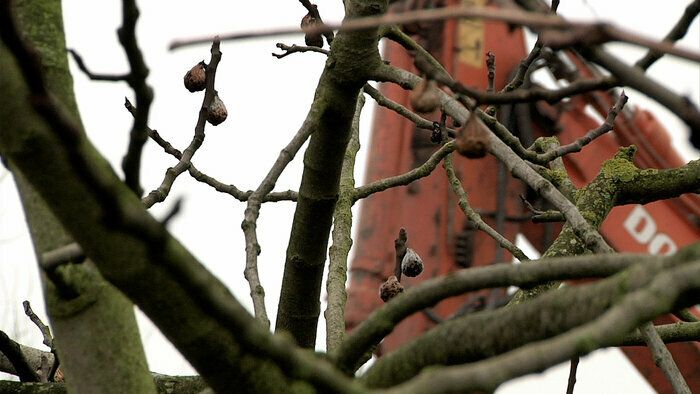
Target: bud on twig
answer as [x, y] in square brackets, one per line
[196, 78]
[312, 40]
[473, 139]
[411, 265]
[424, 97]
[216, 113]
[390, 289]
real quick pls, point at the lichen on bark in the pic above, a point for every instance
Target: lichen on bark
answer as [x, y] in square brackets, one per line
[352, 61]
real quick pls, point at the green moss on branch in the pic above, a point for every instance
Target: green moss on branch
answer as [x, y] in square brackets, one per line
[353, 59]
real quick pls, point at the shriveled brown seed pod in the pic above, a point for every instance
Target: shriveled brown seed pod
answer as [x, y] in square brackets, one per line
[424, 97]
[196, 78]
[411, 264]
[216, 112]
[473, 139]
[312, 40]
[390, 289]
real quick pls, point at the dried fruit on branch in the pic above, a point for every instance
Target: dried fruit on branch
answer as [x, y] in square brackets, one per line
[473, 139]
[196, 78]
[411, 264]
[216, 113]
[311, 39]
[390, 289]
[424, 97]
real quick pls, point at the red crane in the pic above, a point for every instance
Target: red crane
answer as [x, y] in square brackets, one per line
[428, 209]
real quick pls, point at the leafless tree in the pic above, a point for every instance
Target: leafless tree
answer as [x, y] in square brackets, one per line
[101, 252]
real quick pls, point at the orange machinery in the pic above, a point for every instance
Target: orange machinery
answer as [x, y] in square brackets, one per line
[439, 231]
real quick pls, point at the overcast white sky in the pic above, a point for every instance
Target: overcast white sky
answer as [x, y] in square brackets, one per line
[267, 100]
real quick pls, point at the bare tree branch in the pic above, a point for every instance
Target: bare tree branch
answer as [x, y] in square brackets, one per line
[288, 50]
[518, 167]
[13, 352]
[663, 358]
[474, 217]
[634, 309]
[45, 330]
[572, 375]
[406, 178]
[131, 164]
[514, 17]
[198, 175]
[431, 291]
[342, 241]
[93, 76]
[160, 194]
[678, 31]
[403, 111]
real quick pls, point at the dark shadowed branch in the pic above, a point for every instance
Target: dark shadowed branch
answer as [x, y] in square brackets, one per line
[13, 352]
[131, 164]
[95, 76]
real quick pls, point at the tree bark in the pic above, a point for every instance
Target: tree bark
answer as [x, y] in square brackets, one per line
[353, 58]
[95, 329]
[130, 248]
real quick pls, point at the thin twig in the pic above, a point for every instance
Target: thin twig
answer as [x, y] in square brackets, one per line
[589, 35]
[491, 76]
[252, 211]
[47, 372]
[418, 120]
[427, 64]
[381, 99]
[491, 67]
[663, 358]
[536, 93]
[474, 217]
[539, 216]
[45, 330]
[669, 333]
[678, 31]
[198, 175]
[288, 50]
[637, 79]
[586, 139]
[531, 57]
[172, 213]
[426, 15]
[555, 6]
[159, 194]
[94, 76]
[66, 254]
[406, 178]
[513, 17]
[572, 375]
